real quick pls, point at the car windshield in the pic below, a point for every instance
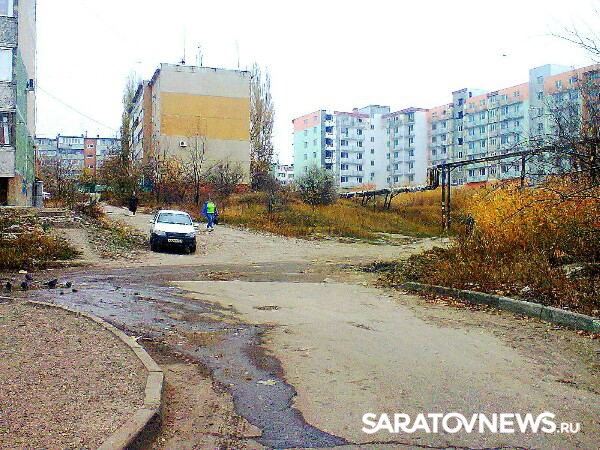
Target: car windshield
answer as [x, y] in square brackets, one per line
[179, 219]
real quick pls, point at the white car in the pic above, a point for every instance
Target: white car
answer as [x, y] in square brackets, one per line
[170, 228]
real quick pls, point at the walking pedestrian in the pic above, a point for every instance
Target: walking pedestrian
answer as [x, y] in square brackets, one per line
[133, 203]
[210, 211]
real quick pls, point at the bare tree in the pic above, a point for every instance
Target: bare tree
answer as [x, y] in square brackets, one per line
[262, 116]
[57, 175]
[194, 165]
[225, 179]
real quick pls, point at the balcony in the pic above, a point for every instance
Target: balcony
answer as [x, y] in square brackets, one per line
[7, 162]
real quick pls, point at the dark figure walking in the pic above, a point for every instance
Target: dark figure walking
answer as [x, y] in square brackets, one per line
[133, 203]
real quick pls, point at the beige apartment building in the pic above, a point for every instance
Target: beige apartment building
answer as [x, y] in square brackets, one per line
[187, 112]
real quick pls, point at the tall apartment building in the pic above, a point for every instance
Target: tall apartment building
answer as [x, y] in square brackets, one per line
[368, 147]
[17, 101]
[184, 111]
[397, 147]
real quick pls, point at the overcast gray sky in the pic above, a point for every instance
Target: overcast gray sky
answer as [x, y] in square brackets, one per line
[327, 54]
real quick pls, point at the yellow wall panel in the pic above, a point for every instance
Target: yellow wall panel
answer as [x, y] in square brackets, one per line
[215, 117]
[211, 128]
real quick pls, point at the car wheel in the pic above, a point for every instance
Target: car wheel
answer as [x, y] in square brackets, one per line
[193, 249]
[153, 246]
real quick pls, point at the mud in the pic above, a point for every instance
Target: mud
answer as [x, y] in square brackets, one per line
[206, 333]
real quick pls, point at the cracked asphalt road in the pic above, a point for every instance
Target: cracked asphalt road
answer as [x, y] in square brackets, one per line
[288, 345]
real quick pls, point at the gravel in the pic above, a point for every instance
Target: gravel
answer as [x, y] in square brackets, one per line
[65, 381]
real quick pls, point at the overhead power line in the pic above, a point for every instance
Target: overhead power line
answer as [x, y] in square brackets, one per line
[76, 110]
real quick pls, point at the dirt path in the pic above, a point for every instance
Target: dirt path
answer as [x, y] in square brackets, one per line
[292, 339]
[229, 245]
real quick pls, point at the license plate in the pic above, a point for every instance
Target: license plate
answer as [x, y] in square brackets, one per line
[174, 241]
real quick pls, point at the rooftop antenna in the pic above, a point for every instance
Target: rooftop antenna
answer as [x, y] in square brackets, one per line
[237, 49]
[183, 59]
[199, 57]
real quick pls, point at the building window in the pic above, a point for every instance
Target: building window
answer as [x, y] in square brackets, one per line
[344, 154]
[315, 142]
[471, 172]
[6, 8]
[5, 129]
[344, 167]
[6, 64]
[344, 179]
[359, 168]
[344, 143]
[372, 163]
[482, 171]
[540, 95]
[372, 151]
[359, 156]
[314, 154]
[305, 156]
[482, 145]
[305, 144]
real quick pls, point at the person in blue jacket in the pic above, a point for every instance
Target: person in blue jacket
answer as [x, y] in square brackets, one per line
[210, 211]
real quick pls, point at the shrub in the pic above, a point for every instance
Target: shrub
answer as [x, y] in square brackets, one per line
[317, 186]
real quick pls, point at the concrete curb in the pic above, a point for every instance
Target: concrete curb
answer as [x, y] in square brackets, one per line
[547, 313]
[146, 420]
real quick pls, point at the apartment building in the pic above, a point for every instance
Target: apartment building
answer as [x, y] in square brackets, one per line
[17, 101]
[77, 153]
[476, 124]
[190, 112]
[367, 147]
[284, 173]
[406, 147]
